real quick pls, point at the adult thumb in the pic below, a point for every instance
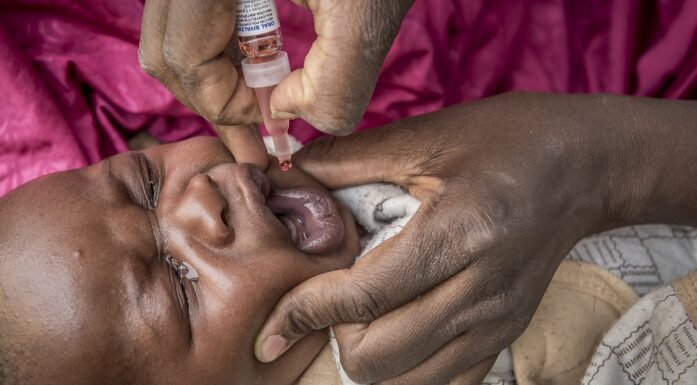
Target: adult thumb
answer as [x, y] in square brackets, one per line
[288, 97]
[392, 153]
[319, 99]
[341, 68]
[310, 306]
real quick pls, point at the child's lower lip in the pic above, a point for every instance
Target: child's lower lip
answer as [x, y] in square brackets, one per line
[310, 216]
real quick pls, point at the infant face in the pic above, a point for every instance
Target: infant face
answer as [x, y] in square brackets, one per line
[160, 267]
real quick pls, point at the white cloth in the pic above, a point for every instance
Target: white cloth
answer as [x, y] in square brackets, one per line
[383, 210]
[653, 343]
[646, 257]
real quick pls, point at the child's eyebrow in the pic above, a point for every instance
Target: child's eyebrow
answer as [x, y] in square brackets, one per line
[120, 180]
[107, 170]
[111, 186]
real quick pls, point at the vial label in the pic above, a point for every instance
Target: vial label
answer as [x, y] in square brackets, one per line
[256, 17]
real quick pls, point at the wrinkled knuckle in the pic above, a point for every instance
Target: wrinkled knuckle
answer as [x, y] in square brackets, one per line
[176, 60]
[498, 302]
[445, 240]
[505, 299]
[217, 117]
[434, 157]
[298, 323]
[483, 224]
[234, 114]
[502, 303]
[299, 317]
[151, 64]
[366, 302]
[222, 112]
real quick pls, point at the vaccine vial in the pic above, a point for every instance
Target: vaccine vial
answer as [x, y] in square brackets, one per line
[258, 29]
[260, 39]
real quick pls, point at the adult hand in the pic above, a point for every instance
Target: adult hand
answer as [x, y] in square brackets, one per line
[191, 47]
[508, 186]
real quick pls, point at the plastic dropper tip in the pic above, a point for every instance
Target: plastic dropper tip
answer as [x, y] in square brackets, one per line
[286, 165]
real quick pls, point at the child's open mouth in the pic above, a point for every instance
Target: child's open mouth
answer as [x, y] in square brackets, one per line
[310, 216]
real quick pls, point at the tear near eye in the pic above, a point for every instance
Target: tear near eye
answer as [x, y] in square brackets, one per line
[184, 270]
[152, 184]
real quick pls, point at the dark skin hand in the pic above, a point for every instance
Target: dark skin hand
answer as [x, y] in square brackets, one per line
[508, 185]
[190, 47]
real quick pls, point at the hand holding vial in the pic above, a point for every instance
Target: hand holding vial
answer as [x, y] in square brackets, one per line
[191, 48]
[259, 32]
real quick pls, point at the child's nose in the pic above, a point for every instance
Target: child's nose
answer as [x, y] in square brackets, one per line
[203, 212]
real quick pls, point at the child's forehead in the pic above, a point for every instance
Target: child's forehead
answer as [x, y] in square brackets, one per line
[64, 274]
[59, 208]
[59, 234]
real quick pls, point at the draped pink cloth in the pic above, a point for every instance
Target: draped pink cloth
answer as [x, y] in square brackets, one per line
[73, 93]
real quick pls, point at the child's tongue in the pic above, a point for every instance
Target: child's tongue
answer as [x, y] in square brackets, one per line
[311, 218]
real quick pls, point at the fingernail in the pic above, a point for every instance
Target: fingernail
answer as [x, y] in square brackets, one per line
[281, 115]
[272, 347]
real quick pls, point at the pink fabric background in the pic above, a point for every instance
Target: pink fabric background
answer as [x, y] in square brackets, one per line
[73, 93]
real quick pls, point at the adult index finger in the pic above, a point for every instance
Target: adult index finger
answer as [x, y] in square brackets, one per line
[245, 143]
[150, 54]
[197, 37]
[405, 152]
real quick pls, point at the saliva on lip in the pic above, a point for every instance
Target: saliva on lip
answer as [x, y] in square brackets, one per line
[260, 39]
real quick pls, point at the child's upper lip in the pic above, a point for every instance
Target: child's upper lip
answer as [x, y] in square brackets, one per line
[260, 179]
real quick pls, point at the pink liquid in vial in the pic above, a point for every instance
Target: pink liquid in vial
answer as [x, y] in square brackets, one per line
[259, 49]
[278, 129]
[261, 46]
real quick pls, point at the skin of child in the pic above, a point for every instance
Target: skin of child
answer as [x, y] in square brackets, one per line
[87, 295]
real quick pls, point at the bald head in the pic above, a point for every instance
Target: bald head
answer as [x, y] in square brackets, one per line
[49, 328]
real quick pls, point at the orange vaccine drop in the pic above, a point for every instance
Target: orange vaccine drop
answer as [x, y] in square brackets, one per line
[286, 165]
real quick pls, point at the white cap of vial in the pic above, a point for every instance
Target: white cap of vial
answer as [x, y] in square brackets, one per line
[266, 74]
